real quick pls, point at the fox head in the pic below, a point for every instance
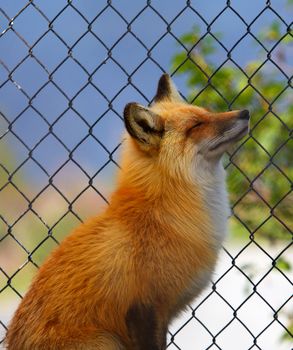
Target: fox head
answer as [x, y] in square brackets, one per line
[180, 138]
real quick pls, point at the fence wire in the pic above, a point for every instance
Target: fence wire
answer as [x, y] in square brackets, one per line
[9, 174]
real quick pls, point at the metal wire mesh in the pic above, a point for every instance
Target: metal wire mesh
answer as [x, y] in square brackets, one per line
[48, 78]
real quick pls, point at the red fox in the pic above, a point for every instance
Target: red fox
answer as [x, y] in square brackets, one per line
[119, 279]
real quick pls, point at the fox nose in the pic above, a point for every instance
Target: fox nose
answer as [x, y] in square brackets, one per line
[244, 114]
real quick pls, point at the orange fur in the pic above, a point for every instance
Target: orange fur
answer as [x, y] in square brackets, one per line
[154, 245]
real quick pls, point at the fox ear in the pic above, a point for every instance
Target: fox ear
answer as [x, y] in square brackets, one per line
[167, 90]
[143, 124]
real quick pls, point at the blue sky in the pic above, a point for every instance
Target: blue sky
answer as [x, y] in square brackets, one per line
[33, 95]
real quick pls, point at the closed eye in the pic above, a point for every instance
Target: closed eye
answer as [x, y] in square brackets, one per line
[196, 125]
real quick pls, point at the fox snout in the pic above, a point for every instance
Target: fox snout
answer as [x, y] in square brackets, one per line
[243, 118]
[244, 114]
[232, 126]
[233, 115]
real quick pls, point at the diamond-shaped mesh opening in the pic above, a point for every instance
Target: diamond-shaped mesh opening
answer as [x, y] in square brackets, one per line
[131, 44]
[69, 34]
[44, 201]
[8, 265]
[50, 58]
[50, 102]
[92, 196]
[29, 231]
[90, 104]
[71, 179]
[149, 38]
[32, 66]
[214, 325]
[67, 223]
[40, 25]
[11, 197]
[269, 16]
[192, 332]
[40, 251]
[71, 121]
[104, 131]
[103, 181]
[16, 52]
[22, 280]
[10, 93]
[90, 155]
[110, 68]
[67, 69]
[229, 16]
[27, 121]
[29, 186]
[251, 47]
[236, 327]
[55, 153]
[108, 38]
[87, 48]
[69, 76]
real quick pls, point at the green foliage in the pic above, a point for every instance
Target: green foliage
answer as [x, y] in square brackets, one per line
[288, 335]
[283, 264]
[259, 172]
[260, 169]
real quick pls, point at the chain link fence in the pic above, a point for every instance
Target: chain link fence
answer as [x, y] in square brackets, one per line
[66, 71]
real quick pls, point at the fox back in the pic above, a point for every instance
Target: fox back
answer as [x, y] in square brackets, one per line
[118, 280]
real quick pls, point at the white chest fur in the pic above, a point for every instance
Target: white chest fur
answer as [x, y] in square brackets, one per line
[211, 180]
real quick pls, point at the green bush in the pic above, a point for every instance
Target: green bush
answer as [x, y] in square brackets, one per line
[259, 172]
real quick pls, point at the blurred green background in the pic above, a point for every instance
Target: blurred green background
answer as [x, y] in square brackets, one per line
[59, 136]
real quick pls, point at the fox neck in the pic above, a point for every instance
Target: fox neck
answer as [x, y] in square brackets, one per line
[188, 206]
[210, 177]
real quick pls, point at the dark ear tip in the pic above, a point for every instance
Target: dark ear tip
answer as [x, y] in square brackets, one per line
[163, 90]
[127, 108]
[165, 77]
